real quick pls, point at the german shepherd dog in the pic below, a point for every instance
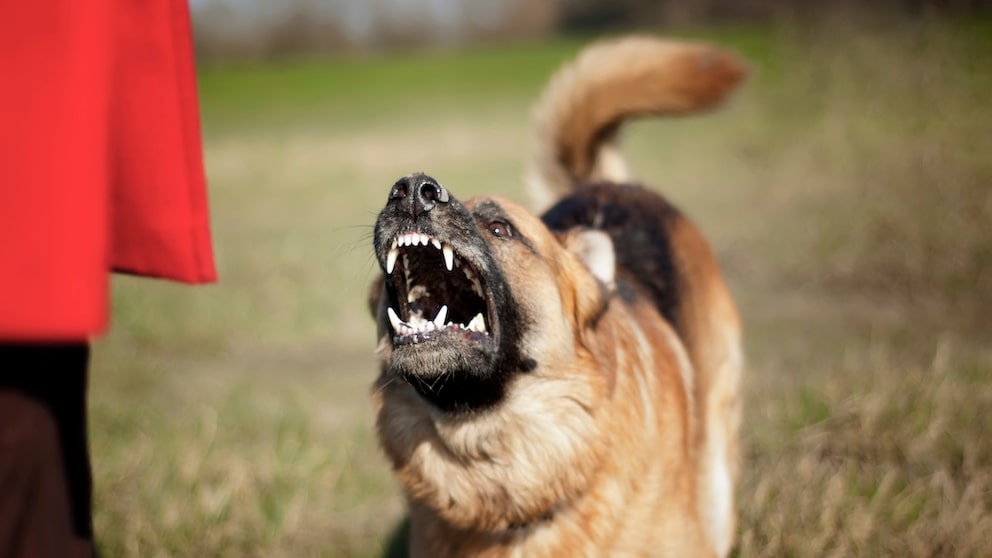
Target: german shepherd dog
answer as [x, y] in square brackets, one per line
[564, 385]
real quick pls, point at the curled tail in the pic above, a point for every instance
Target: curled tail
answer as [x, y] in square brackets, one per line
[580, 112]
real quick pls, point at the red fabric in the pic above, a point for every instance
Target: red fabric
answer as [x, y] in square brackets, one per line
[100, 159]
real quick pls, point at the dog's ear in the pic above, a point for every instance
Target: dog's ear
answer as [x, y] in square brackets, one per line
[594, 251]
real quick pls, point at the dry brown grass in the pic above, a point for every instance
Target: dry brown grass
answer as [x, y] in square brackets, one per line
[875, 459]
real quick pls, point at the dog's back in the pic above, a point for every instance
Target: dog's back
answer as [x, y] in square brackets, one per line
[659, 253]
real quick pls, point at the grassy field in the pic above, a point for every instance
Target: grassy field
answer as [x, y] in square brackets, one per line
[846, 192]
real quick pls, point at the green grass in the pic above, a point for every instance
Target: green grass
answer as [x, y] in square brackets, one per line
[351, 91]
[845, 191]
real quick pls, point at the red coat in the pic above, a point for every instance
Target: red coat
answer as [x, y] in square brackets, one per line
[100, 159]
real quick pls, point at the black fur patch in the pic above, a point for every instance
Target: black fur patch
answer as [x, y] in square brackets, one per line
[639, 222]
[528, 365]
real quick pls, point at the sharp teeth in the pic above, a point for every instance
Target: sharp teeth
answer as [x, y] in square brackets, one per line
[391, 259]
[449, 256]
[442, 315]
[395, 320]
[401, 241]
[478, 323]
[477, 287]
[436, 243]
[424, 239]
[416, 322]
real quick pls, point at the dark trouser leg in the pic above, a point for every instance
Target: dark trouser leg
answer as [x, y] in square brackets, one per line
[45, 480]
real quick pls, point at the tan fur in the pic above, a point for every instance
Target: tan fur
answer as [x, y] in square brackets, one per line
[618, 442]
[712, 336]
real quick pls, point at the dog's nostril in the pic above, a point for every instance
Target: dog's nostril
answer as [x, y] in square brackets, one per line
[398, 191]
[430, 191]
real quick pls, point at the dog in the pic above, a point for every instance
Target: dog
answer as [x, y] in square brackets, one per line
[565, 385]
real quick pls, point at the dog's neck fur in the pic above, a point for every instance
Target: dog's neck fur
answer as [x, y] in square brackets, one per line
[562, 433]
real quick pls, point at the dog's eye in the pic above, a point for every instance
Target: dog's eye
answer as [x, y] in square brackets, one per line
[500, 229]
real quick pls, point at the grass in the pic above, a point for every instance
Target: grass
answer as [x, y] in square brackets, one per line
[845, 192]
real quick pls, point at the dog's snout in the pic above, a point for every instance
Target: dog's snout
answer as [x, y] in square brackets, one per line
[418, 193]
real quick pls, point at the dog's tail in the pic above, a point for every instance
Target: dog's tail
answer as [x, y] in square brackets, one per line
[585, 102]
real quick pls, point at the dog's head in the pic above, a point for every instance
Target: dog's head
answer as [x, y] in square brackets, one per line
[474, 294]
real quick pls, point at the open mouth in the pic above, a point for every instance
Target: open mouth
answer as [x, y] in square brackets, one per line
[433, 291]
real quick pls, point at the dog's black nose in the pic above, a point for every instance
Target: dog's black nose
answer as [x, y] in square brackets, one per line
[418, 193]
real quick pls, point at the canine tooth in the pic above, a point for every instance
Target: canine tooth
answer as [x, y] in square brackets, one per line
[394, 320]
[391, 258]
[476, 286]
[478, 323]
[436, 243]
[442, 314]
[449, 256]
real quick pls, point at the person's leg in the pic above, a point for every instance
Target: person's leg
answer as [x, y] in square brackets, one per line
[45, 479]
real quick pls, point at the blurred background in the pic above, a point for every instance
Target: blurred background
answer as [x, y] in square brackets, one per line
[846, 192]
